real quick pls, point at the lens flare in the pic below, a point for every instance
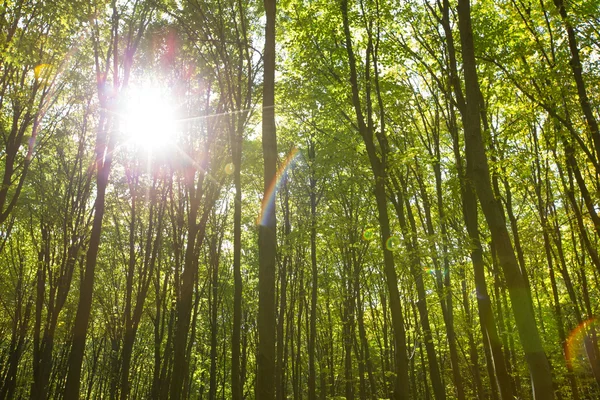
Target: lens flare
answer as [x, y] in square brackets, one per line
[229, 168]
[368, 234]
[149, 118]
[579, 344]
[392, 243]
[268, 202]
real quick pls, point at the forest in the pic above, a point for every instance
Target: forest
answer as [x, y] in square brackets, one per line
[300, 199]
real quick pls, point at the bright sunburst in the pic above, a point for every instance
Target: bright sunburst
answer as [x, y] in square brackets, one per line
[149, 118]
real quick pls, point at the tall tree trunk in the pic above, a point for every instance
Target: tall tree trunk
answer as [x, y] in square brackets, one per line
[236, 384]
[267, 238]
[133, 314]
[38, 389]
[409, 231]
[283, 280]
[104, 147]
[470, 218]
[473, 353]
[214, 269]
[298, 363]
[19, 329]
[442, 278]
[364, 342]
[478, 170]
[347, 336]
[200, 190]
[378, 167]
[496, 365]
[159, 326]
[312, 335]
[542, 207]
[184, 305]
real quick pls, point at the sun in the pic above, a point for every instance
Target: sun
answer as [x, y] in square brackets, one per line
[149, 120]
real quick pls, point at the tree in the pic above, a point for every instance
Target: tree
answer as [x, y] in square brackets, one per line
[267, 239]
[478, 171]
[379, 167]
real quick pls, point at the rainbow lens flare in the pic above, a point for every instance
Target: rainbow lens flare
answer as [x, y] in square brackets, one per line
[268, 202]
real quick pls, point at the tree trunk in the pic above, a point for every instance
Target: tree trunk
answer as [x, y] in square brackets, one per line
[214, 269]
[104, 147]
[442, 278]
[18, 334]
[577, 70]
[347, 337]
[283, 278]
[478, 170]
[410, 234]
[312, 376]
[236, 385]
[184, 308]
[496, 366]
[267, 239]
[401, 382]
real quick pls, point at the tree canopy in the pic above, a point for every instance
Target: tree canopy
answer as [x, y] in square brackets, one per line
[322, 199]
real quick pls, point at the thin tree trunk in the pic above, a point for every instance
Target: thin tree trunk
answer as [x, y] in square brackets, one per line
[473, 354]
[133, 314]
[184, 304]
[214, 269]
[577, 70]
[104, 147]
[542, 210]
[283, 279]
[348, 322]
[298, 365]
[38, 389]
[445, 291]
[401, 383]
[409, 234]
[312, 335]
[18, 334]
[236, 384]
[363, 335]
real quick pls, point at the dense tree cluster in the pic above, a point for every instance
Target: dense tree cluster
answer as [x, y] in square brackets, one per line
[319, 199]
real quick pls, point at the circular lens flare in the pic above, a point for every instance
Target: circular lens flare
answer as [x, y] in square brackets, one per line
[368, 234]
[392, 243]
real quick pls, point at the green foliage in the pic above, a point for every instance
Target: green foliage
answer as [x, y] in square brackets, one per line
[60, 81]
